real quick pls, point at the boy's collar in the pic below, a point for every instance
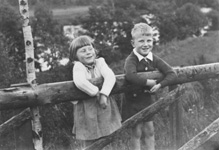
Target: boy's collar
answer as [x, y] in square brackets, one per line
[140, 57]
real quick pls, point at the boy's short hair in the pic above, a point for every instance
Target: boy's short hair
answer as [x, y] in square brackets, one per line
[143, 29]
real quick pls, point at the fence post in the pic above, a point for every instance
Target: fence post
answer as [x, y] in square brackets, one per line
[176, 125]
[35, 129]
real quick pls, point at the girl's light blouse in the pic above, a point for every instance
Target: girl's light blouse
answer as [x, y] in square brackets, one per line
[81, 76]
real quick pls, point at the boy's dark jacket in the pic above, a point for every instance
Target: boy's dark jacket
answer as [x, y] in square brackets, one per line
[138, 100]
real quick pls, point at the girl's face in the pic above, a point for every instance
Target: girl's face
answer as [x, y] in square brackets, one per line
[86, 54]
[143, 44]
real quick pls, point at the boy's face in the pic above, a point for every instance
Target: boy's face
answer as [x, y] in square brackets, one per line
[143, 44]
[86, 54]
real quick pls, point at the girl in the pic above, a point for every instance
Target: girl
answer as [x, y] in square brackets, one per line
[98, 116]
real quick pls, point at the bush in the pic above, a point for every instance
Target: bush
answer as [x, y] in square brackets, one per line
[214, 19]
[189, 20]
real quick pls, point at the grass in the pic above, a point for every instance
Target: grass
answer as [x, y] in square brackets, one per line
[187, 52]
[65, 14]
[199, 101]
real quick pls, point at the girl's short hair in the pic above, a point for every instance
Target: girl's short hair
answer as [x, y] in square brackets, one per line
[77, 43]
[143, 29]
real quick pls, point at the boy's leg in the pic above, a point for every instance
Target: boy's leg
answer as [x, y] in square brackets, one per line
[148, 140]
[135, 141]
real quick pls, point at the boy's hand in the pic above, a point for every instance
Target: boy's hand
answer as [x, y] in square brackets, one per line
[155, 88]
[103, 101]
[151, 82]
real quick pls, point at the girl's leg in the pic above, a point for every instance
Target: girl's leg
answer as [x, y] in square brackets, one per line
[136, 137]
[148, 140]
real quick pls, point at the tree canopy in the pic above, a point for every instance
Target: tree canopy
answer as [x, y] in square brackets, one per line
[109, 23]
[11, 46]
[50, 42]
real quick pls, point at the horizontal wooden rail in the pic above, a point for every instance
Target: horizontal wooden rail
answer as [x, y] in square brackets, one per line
[202, 137]
[53, 93]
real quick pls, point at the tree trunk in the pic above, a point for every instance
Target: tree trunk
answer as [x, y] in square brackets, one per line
[34, 125]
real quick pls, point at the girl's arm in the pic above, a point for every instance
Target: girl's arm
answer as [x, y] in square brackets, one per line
[109, 77]
[82, 82]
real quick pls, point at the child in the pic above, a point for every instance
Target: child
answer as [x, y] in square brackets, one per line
[98, 116]
[142, 60]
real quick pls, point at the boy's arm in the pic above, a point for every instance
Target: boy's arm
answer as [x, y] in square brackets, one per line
[109, 77]
[82, 82]
[167, 70]
[131, 72]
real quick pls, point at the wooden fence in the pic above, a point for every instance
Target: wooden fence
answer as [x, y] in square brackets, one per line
[32, 95]
[22, 96]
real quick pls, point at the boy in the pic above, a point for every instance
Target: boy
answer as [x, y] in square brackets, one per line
[141, 59]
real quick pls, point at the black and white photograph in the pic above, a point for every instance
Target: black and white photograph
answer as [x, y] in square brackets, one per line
[109, 74]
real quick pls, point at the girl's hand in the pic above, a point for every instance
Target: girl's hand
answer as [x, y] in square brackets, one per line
[103, 101]
[155, 88]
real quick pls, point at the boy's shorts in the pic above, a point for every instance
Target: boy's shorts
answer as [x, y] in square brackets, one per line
[134, 102]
